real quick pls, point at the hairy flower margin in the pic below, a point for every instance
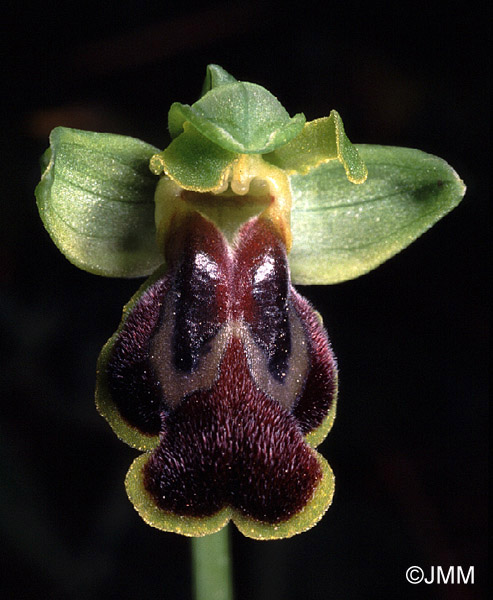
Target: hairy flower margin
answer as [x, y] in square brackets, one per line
[220, 371]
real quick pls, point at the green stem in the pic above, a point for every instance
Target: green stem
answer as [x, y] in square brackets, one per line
[211, 566]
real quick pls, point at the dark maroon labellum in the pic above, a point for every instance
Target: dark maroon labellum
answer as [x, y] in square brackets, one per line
[232, 368]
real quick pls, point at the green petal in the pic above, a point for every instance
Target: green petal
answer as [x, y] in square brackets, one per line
[216, 76]
[320, 141]
[239, 117]
[96, 199]
[341, 230]
[194, 162]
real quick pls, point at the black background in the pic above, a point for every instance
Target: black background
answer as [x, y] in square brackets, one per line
[409, 446]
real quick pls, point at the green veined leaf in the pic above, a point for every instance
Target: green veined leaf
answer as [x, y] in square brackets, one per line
[96, 199]
[239, 117]
[320, 141]
[341, 231]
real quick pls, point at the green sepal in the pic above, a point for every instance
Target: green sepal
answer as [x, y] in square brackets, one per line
[96, 199]
[239, 117]
[214, 77]
[193, 161]
[320, 141]
[341, 231]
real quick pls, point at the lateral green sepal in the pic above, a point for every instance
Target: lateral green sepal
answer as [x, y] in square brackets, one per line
[341, 231]
[320, 141]
[96, 200]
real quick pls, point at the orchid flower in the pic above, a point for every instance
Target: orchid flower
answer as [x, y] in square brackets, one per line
[220, 372]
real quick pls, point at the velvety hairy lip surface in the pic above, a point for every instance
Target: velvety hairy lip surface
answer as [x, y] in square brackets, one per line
[132, 383]
[231, 367]
[232, 445]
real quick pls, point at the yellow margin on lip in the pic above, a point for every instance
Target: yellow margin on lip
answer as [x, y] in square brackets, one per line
[318, 435]
[197, 527]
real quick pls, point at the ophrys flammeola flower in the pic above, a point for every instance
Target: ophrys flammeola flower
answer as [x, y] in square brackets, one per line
[220, 371]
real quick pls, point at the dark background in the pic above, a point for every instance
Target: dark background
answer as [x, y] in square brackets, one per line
[409, 446]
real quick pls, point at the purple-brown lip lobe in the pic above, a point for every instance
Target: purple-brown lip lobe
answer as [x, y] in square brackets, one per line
[231, 367]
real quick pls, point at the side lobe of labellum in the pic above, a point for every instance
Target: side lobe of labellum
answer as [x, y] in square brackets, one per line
[231, 367]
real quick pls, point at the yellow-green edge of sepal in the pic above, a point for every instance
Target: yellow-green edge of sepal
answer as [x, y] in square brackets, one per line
[145, 505]
[104, 402]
